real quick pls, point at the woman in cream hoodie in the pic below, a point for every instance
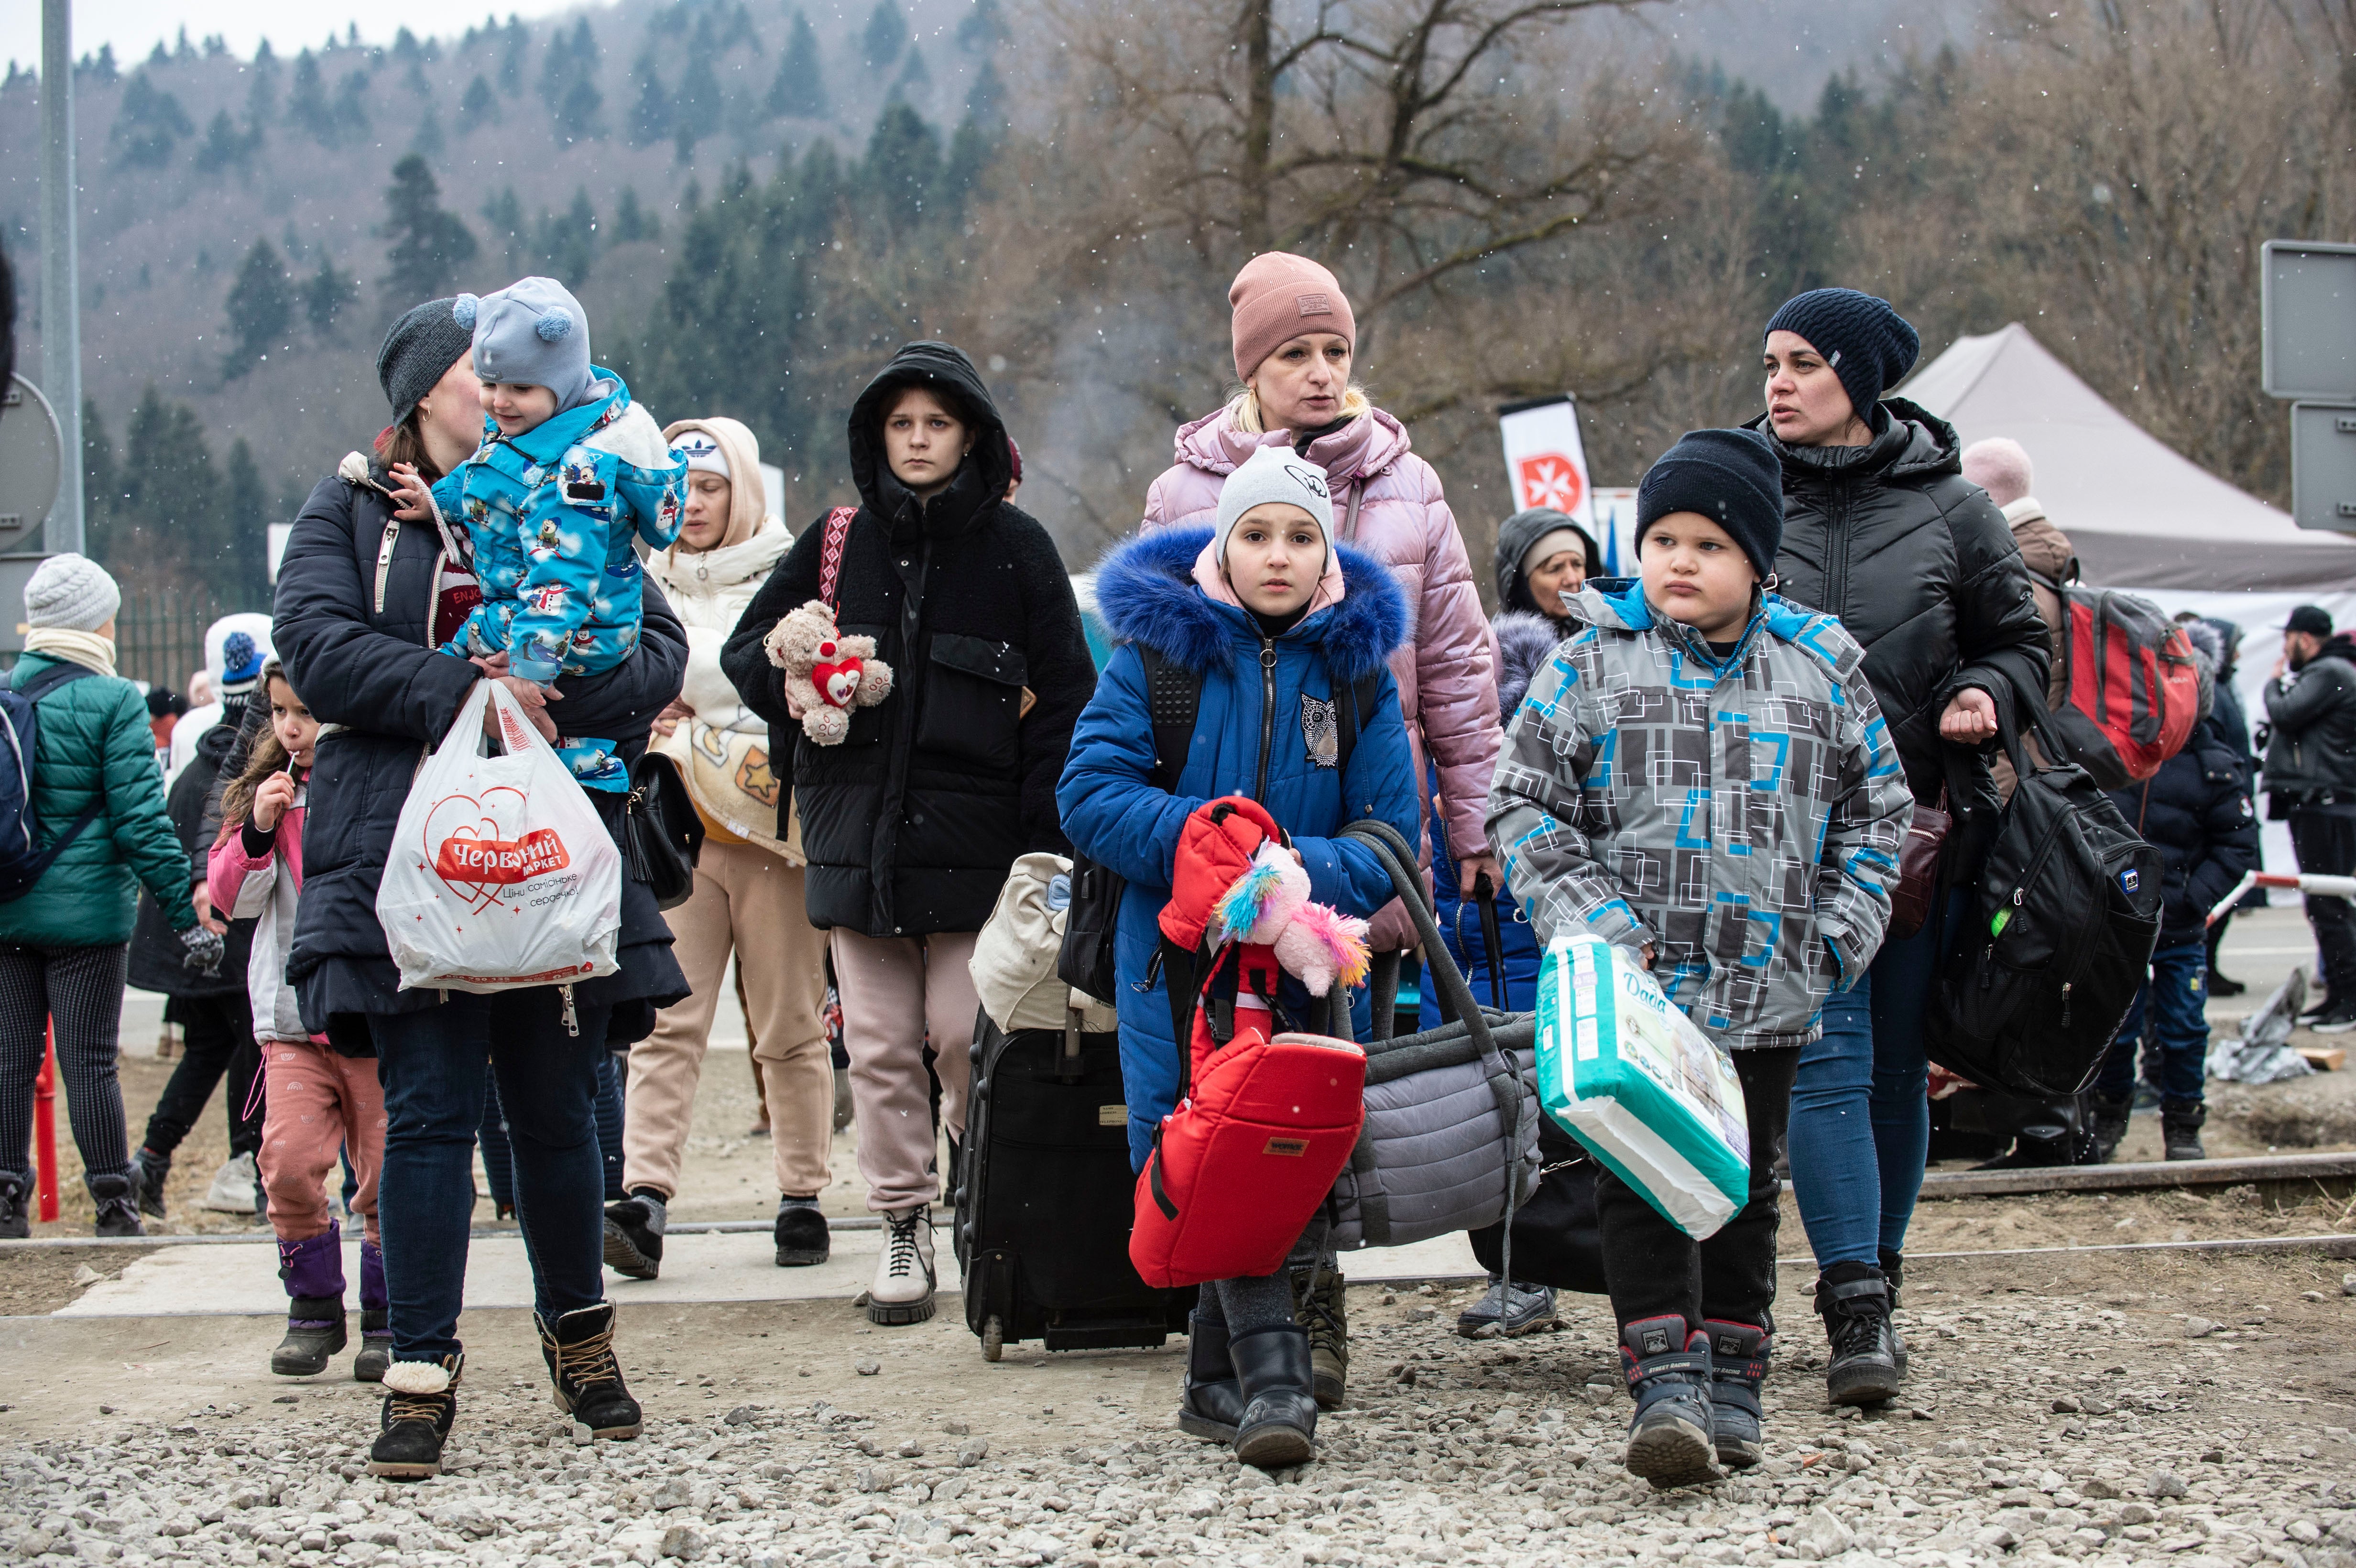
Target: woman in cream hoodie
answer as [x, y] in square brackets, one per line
[748, 884]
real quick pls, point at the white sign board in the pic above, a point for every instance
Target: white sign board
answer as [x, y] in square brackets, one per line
[279, 534]
[1545, 464]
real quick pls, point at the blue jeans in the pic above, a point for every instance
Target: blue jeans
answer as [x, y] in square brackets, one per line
[2177, 1052]
[433, 1066]
[1860, 1113]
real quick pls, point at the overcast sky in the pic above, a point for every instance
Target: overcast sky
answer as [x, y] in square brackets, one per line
[134, 25]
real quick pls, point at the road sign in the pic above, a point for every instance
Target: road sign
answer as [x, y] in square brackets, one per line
[32, 458]
[2306, 297]
[2323, 465]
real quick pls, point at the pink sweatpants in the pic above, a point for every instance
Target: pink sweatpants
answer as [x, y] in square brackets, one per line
[319, 1103]
[895, 990]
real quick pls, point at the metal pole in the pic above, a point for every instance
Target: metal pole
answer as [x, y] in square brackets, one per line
[60, 290]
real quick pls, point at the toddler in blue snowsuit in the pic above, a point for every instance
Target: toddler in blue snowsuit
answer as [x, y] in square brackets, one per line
[569, 469]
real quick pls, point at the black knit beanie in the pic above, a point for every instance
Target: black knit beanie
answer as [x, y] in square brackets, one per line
[418, 351]
[1730, 477]
[1868, 344]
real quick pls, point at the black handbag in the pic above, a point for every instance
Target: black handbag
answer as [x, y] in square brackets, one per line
[662, 836]
[1557, 1240]
[1084, 962]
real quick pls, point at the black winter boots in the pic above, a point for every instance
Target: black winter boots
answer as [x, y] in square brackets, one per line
[801, 1234]
[420, 1401]
[1854, 1300]
[2179, 1128]
[634, 1234]
[315, 1332]
[151, 1171]
[1320, 1307]
[1738, 1365]
[1278, 1426]
[579, 1349]
[16, 1195]
[2109, 1126]
[117, 1198]
[1671, 1438]
[1212, 1401]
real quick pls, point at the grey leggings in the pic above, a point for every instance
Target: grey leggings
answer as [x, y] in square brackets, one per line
[1265, 1301]
[79, 991]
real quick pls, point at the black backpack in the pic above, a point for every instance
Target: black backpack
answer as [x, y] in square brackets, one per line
[23, 856]
[1173, 696]
[2057, 939]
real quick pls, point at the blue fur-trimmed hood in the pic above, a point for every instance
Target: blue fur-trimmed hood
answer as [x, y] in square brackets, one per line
[1524, 642]
[1146, 593]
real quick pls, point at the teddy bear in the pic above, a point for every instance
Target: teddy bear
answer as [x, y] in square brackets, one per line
[827, 674]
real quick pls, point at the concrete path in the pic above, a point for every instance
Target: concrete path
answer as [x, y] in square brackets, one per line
[241, 1279]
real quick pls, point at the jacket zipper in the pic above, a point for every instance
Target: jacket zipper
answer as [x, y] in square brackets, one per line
[1267, 714]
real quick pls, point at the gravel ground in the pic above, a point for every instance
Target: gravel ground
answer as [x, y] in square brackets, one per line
[2152, 1408]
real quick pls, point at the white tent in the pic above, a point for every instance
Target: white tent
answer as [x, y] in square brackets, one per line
[2140, 516]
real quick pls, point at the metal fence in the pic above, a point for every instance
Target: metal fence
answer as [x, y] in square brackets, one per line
[159, 637]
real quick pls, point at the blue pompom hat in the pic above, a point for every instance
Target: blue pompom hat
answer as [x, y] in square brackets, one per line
[533, 331]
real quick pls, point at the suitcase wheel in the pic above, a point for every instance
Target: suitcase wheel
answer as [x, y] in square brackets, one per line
[993, 1338]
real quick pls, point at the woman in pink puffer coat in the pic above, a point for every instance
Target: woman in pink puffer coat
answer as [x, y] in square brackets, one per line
[1294, 335]
[1293, 339]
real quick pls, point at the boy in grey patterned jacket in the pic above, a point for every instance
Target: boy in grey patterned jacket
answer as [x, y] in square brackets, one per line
[1701, 776]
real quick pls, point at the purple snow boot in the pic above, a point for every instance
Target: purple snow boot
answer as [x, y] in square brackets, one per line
[314, 1273]
[376, 1326]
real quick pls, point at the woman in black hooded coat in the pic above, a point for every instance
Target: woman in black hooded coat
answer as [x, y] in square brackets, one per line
[913, 821]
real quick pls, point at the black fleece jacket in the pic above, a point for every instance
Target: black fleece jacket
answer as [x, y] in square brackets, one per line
[2311, 739]
[913, 821]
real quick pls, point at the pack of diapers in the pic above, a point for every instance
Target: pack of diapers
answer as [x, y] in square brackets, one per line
[1625, 1072]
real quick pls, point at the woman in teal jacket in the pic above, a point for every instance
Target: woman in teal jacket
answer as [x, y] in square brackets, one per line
[99, 798]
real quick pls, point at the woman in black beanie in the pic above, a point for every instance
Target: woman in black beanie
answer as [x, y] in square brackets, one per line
[364, 599]
[1881, 529]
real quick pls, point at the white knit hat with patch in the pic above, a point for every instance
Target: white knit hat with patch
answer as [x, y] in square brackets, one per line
[72, 591]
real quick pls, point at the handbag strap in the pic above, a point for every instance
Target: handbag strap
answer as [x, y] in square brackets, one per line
[830, 557]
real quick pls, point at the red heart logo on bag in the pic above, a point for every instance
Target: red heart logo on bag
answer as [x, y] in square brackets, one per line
[474, 845]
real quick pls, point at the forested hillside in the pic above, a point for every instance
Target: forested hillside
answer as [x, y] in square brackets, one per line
[756, 200]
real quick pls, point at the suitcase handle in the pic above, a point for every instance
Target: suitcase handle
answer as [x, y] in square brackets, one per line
[1491, 938]
[1393, 853]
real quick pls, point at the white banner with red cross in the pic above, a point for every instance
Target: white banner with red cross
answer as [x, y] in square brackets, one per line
[1545, 462]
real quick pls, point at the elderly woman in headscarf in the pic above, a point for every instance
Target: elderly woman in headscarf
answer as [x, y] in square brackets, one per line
[748, 882]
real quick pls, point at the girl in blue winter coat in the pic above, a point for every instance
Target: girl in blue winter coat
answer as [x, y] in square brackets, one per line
[1280, 627]
[570, 470]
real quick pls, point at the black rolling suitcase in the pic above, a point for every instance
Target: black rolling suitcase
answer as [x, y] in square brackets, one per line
[1043, 1200]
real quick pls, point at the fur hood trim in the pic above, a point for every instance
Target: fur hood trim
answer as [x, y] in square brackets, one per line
[1524, 642]
[1146, 593]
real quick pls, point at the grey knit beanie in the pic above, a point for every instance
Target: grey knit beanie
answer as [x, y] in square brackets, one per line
[71, 592]
[533, 333]
[1274, 474]
[418, 352]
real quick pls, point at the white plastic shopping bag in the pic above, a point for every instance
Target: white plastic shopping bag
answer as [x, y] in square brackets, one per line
[501, 874]
[1625, 1072]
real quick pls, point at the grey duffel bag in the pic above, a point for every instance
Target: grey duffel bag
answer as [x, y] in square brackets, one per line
[1449, 1109]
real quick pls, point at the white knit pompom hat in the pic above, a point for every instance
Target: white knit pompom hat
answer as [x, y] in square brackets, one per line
[72, 591]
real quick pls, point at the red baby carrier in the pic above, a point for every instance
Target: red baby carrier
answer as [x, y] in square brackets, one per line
[1265, 1120]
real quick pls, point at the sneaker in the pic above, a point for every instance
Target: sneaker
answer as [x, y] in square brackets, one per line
[1321, 1306]
[2339, 1020]
[420, 1401]
[634, 1234]
[802, 1234]
[117, 1198]
[236, 1188]
[1278, 1426]
[1738, 1365]
[1670, 1437]
[1504, 1314]
[1863, 1369]
[579, 1350]
[15, 1224]
[903, 1291]
[376, 1345]
[2179, 1126]
[315, 1332]
[151, 1171]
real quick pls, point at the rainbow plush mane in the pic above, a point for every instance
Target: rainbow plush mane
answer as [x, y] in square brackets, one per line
[1269, 906]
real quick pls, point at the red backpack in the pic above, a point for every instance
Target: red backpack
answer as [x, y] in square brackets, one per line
[1263, 1126]
[2131, 686]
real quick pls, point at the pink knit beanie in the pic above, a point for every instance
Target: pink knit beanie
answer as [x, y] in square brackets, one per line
[1279, 296]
